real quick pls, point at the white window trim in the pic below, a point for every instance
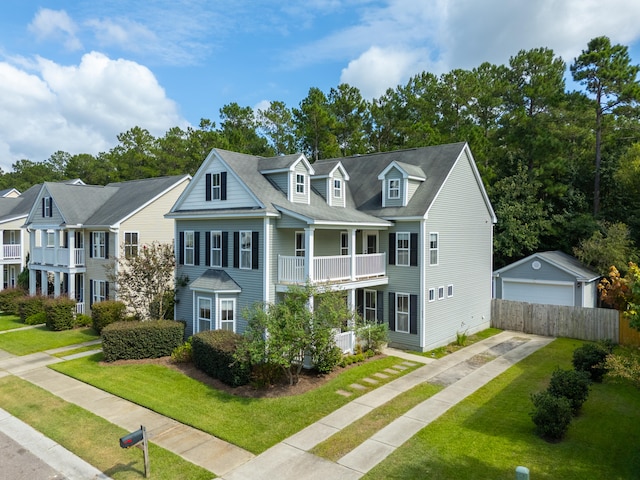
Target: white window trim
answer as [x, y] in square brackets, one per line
[215, 233]
[373, 294]
[399, 249]
[393, 193]
[337, 188]
[344, 250]
[221, 301]
[408, 312]
[441, 292]
[99, 291]
[50, 236]
[99, 248]
[432, 295]
[242, 250]
[436, 249]
[300, 186]
[299, 252]
[199, 318]
[186, 248]
[450, 291]
[216, 186]
[47, 207]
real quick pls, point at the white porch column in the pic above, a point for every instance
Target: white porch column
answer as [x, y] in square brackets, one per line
[72, 247]
[32, 282]
[352, 253]
[44, 282]
[56, 284]
[2, 242]
[2, 277]
[71, 288]
[23, 249]
[308, 261]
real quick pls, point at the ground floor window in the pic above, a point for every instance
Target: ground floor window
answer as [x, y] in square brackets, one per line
[99, 291]
[370, 305]
[204, 314]
[402, 312]
[227, 314]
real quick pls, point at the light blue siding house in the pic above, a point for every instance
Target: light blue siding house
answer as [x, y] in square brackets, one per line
[407, 235]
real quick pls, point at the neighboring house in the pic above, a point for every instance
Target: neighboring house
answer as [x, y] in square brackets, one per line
[553, 278]
[15, 246]
[78, 232]
[407, 235]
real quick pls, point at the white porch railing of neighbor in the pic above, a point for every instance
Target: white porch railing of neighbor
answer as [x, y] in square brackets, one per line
[11, 251]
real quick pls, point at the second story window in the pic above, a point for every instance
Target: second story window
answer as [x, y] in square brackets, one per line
[394, 188]
[130, 244]
[51, 238]
[245, 250]
[216, 249]
[402, 249]
[433, 249]
[99, 244]
[300, 181]
[189, 248]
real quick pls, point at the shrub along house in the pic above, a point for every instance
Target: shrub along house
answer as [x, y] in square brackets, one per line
[78, 232]
[407, 235]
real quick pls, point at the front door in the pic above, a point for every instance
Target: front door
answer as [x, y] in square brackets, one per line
[371, 242]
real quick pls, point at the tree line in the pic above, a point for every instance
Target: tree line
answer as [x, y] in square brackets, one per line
[561, 166]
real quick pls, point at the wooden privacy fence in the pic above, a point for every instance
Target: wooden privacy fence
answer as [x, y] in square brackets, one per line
[556, 321]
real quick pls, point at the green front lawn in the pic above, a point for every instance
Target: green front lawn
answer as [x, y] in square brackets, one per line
[41, 338]
[90, 437]
[254, 424]
[9, 322]
[490, 433]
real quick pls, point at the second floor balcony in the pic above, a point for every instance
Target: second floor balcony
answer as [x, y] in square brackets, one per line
[11, 252]
[61, 257]
[330, 269]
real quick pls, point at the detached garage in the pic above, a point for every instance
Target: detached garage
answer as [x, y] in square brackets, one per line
[553, 278]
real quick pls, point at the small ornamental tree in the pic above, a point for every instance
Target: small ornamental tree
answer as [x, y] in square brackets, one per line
[144, 281]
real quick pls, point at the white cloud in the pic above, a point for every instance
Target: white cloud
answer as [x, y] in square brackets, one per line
[53, 25]
[378, 69]
[124, 34]
[79, 108]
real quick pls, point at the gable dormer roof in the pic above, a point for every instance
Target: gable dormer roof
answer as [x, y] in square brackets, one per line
[283, 163]
[412, 172]
[328, 169]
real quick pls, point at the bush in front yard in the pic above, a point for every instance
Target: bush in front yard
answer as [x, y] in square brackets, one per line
[137, 340]
[9, 300]
[214, 353]
[591, 358]
[572, 385]
[551, 415]
[30, 305]
[36, 319]
[60, 313]
[107, 312]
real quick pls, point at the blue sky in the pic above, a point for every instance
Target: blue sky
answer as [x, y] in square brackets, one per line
[74, 74]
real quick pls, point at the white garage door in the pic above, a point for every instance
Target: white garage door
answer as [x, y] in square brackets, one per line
[552, 294]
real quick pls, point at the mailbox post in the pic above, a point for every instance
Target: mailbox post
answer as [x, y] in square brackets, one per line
[134, 438]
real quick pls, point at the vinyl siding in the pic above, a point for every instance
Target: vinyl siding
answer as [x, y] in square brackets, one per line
[396, 202]
[412, 186]
[337, 202]
[464, 225]
[250, 281]
[402, 279]
[281, 180]
[300, 168]
[321, 185]
[237, 194]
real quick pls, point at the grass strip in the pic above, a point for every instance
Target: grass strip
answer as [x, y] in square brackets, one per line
[90, 437]
[9, 322]
[254, 424]
[41, 338]
[342, 442]
[454, 347]
[73, 351]
[490, 433]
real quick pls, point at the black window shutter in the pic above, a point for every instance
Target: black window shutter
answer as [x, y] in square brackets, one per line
[90, 244]
[225, 249]
[106, 245]
[207, 193]
[413, 314]
[90, 293]
[413, 250]
[236, 249]
[392, 249]
[43, 210]
[207, 249]
[380, 306]
[360, 302]
[106, 290]
[181, 248]
[255, 248]
[223, 186]
[392, 312]
[51, 206]
[196, 248]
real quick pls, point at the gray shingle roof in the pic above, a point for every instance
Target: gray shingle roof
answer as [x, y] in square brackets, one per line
[214, 280]
[560, 260]
[11, 208]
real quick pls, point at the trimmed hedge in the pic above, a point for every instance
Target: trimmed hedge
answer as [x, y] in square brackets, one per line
[572, 385]
[31, 305]
[591, 358]
[60, 313]
[137, 340]
[9, 300]
[39, 318]
[552, 415]
[107, 312]
[213, 353]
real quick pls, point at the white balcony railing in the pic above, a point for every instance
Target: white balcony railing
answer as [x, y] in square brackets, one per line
[13, 251]
[62, 257]
[330, 269]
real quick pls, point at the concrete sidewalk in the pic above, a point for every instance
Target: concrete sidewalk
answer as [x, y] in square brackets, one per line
[461, 373]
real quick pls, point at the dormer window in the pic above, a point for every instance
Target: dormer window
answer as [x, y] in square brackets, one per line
[300, 181]
[215, 186]
[337, 188]
[394, 188]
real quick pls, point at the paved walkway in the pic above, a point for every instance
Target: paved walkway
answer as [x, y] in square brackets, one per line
[461, 373]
